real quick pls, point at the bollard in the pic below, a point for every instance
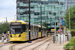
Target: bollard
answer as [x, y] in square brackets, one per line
[53, 39]
[2, 39]
[69, 36]
[56, 37]
[65, 37]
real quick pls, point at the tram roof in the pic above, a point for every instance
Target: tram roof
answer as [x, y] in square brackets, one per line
[22, 22]
[39, 26]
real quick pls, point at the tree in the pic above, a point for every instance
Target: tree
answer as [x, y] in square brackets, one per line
[26, 21]
[45, 25]
[4, 27]
[36, 23]
[72, 17]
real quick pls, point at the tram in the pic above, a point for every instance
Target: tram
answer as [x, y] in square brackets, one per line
[19, 31]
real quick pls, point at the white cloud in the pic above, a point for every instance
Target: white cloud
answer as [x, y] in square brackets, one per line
[4, 19]
[7, 9]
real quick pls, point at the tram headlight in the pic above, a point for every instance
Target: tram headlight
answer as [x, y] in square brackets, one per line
[20, 35]
[10, 35]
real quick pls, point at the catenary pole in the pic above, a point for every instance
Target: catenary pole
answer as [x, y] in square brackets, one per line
[59, 22]
[29, 24]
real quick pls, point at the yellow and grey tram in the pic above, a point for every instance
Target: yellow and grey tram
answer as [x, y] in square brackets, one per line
[19, 31]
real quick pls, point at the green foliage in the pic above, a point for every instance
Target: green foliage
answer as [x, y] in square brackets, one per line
[45, 25]
[72, 32]
[4, 27]
[67, 29]
[72, 39]
[36, 23]
[72, 17]
[26, 21]
[71, 44]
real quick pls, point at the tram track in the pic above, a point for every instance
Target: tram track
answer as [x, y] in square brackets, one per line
[35, 48]
[48, 45]
[4, 44]
[35, 41]
[12, 46]
[32, 44]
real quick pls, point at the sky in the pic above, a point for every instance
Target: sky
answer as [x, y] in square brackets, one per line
[7, 9]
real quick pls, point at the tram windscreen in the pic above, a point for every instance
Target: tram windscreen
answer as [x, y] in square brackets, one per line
[17, 27]
[15, 30]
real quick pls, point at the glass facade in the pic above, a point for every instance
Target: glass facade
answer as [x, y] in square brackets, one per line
[49, 8]
[70, 3]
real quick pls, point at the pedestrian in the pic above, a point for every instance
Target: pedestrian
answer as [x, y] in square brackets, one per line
[8, 36]
[59, 31]
[4, 35]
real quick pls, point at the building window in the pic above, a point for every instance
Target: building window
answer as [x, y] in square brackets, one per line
[23, 7]
[54, 14]
[25, 1]
[43, 12]
[31, 7]
[35, 1]
[42, 3]
[54, 7]
[61, 18]
[61, 3]
[21, 14]
[36, 13]
[31, 1]
[21, 0]
[57, 18]
[26, 12]
[32, 12]
[49, 12]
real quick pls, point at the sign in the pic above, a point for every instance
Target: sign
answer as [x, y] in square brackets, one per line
[63, 22]
[15, 23]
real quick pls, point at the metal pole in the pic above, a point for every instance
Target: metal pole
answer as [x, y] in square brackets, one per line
[41, 20]
[16, 10]
[47, 25]
[59, 22]
[69, 20]
[50, 24]
[29, 24]
[63, 34]
[55, 32]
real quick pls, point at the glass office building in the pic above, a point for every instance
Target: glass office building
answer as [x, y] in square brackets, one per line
[70, 3]
[49, 9]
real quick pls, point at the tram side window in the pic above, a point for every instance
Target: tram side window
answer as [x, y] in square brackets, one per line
[39, 29]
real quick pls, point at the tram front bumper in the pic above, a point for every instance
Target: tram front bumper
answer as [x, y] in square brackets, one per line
[15, 39]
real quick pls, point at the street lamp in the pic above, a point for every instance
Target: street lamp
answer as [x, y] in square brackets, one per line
[29, 24]
[59, 22]
[41, 19]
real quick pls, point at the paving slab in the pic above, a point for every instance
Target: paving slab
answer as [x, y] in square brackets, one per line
[57, 46]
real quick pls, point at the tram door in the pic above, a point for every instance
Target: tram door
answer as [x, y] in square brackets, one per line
[27, 33]
[37, 32]
[32, 36]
